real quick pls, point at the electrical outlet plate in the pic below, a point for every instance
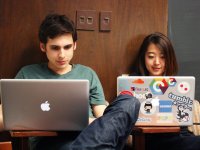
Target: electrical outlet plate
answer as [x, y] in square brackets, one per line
[86, 20]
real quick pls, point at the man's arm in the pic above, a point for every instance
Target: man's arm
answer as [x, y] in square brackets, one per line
[98, 111]
[1, 118]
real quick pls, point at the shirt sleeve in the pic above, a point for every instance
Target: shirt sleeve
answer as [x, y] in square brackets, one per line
[20, 75]
[96, 91]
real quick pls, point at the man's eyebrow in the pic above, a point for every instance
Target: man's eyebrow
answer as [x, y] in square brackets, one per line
[60, 46]
[68, 44]
[54, 45]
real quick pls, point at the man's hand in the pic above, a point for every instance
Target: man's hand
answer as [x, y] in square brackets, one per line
[91, 120]
[98, 110]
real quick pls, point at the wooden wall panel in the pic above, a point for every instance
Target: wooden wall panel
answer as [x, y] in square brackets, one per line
[109, 53]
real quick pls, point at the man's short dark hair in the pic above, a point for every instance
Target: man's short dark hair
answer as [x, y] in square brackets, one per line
[54, 25]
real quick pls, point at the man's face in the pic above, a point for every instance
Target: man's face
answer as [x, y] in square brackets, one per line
[59, 51]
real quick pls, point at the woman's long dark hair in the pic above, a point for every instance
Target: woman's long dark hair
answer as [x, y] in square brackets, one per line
[164, 44]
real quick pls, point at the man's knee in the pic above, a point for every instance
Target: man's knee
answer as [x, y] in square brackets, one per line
[130, 105]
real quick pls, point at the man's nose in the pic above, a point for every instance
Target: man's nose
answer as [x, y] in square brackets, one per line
[61, 54]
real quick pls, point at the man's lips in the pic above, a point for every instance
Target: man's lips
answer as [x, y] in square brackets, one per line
[61, 62]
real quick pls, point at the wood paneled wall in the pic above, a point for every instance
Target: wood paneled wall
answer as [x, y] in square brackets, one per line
[109, 53]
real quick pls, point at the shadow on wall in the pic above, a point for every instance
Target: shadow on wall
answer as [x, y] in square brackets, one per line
[30, 55]
[130, 54]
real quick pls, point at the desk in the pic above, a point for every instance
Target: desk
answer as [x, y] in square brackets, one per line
[138, 134]
[23, 135]
[32, 133]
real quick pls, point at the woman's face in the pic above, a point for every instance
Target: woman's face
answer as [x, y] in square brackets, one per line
[155, 61]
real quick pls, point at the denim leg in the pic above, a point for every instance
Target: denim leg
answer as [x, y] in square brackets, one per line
[110, 131]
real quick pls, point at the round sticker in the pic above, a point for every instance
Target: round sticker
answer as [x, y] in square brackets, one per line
[147, 108]
[184, 87]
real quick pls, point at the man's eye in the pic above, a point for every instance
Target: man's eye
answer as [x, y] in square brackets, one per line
[55, 48]
[68, 46]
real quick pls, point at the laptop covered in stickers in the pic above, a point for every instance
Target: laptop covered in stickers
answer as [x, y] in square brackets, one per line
[165, 100]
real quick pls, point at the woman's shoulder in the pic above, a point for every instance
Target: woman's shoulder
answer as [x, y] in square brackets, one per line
[134, 74]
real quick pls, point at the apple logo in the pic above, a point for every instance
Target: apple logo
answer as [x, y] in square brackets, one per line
[45, 106]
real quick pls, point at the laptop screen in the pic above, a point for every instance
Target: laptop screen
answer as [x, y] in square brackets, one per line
[45, 104]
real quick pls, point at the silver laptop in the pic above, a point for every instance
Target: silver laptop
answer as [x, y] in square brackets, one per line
[44, 104]
[165, 101]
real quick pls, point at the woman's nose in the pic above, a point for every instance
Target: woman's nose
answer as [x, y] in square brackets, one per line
[157, 60]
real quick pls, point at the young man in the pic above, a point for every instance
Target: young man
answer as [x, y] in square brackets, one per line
[58, 39]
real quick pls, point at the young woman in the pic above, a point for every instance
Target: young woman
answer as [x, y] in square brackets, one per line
[157, 58]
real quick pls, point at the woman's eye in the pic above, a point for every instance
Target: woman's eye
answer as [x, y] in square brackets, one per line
[162, 56]
[150, 57]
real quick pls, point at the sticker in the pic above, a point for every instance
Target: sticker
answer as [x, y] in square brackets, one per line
[139, 89]
[181, 100]
[143, 119]
[172, 82]
[155, 101]
[164, 118]
[158, 86]
[165, 106]
[138, 81]
[126, 93]
[184, 87]
[147, 108]
[182, 114]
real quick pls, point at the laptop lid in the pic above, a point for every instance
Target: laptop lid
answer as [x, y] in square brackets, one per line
[165, 101]
[44, 104]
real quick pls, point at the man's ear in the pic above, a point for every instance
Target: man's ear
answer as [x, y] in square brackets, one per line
[42, 47]
[74, 45]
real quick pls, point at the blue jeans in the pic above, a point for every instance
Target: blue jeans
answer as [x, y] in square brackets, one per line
[108, 132]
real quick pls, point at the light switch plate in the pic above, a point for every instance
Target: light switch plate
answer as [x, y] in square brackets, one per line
[105, 20]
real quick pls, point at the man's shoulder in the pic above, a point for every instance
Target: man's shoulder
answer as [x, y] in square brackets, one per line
[33, 67]
[33, 71]
[83, 68]
[83, 71]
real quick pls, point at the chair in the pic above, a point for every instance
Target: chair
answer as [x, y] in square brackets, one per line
[195, 128]
[3, 145]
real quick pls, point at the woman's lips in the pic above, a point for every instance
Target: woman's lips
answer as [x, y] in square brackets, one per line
[156, 69]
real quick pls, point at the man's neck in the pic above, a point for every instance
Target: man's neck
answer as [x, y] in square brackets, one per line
[61, 71]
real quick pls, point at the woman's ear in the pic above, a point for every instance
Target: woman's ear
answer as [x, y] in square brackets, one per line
[42, 47]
